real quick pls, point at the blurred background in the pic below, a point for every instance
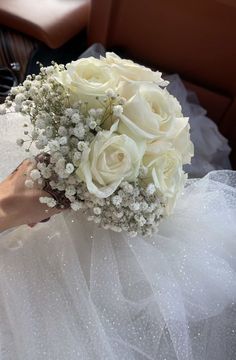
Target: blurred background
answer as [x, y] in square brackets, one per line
[195, 39]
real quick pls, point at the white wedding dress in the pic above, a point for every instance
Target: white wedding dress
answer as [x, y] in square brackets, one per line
[69, 290]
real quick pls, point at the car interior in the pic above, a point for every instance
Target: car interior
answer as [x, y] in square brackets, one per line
[195, 39]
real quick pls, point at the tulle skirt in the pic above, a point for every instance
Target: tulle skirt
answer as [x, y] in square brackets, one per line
[69, 290]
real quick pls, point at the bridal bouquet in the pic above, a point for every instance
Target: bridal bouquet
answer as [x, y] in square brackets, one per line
[112, 139]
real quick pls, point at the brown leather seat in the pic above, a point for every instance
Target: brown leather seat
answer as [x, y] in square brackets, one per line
[53, 22]
[196, 39]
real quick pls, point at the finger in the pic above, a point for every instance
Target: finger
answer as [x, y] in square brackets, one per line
[27, 166]
[45, 211]
[14, 171]
[23, 168]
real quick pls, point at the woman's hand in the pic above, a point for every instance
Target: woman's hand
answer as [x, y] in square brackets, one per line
[19, 204]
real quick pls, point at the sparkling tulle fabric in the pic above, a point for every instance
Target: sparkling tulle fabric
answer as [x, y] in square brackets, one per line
[73, 291]
[69, 290]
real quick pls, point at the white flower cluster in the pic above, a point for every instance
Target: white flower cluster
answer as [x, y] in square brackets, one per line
[116, 140]
[131, 208]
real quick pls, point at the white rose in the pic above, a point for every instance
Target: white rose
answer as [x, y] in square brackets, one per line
[131, 70]
[150, 112]
[181, 143]
[184, 145]
[164, 167]
[87, 78]
[110, 159]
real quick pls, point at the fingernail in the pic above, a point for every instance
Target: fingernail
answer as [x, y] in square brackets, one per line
[45, 220]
